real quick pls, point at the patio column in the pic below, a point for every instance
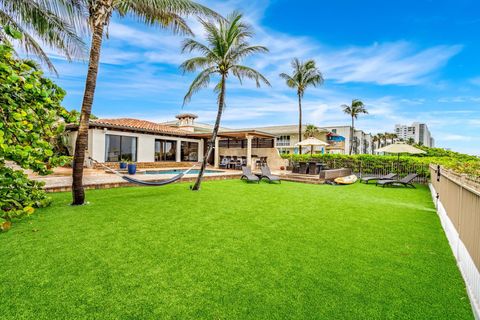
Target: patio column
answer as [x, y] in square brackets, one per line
[216, 160]
[178, 153]
[249, 151]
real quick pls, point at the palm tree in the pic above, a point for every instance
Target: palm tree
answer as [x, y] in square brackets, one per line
[410, 141]
[55, 23]
[305, 74]
[226, 46]
[163, 13]
[393, 136]
[311, 131]
[375, 139]
[380, 140]
[354, 110]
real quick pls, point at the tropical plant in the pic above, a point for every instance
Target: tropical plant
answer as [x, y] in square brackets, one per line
[410, 141]
[55, 23]
[305, 74]
[311, 131]
[354, 110]
[163, 13]
[31, 117]
[227, 45]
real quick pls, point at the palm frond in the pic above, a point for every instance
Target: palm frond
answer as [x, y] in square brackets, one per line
[195, 63]
[28, 43]
[48, 23]
[246, 72]
[291, 82]
[200, 82]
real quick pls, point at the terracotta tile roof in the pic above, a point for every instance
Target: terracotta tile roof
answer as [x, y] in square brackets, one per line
[135, 124]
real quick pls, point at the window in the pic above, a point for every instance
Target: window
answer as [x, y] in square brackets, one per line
[283, 141]
[334, 130]
[189, 151]
[118, 148]
[165, 150]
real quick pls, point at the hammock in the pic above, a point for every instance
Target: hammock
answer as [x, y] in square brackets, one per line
[146, 183]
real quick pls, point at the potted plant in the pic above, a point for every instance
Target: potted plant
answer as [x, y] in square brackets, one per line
[132, 168]
[123, 164]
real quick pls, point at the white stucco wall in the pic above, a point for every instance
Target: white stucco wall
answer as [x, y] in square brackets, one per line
[145, 144]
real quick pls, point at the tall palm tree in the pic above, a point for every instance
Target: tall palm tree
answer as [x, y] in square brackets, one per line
[163, 13]
[354, 110]
[305, 74]
[54, 22]
[227, 45]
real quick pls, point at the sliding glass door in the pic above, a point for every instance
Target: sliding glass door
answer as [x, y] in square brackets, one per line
[189, 151]
[120, 148]
[165, 150]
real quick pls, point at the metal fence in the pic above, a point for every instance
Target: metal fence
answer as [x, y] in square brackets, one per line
[378, 168]
[458, 205]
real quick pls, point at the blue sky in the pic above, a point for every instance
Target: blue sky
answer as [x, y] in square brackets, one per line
[407, 60]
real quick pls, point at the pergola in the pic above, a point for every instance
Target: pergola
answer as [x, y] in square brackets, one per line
[248, 135]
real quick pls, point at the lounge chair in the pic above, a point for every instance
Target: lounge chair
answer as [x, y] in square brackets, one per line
[248, 175]
[268, 175]
[389, 176]
[406, 181]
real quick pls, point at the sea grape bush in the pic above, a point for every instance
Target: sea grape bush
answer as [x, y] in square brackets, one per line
[31, 118]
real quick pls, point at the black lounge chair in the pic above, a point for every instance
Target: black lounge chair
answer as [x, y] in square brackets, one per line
[248, 175]
[268, 175]
[389, 176]
[406, 181]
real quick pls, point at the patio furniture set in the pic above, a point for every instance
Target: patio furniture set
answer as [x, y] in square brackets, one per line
[236, 163]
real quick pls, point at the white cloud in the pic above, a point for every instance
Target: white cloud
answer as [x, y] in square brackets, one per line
[386, 64]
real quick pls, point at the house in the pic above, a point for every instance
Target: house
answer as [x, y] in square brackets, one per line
[153, 144]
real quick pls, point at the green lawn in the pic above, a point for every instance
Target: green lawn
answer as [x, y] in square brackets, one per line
[233, 251]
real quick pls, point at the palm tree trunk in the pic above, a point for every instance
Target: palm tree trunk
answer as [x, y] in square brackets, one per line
[351, 137]
[221, 103]
[299, 122]
[78, 192]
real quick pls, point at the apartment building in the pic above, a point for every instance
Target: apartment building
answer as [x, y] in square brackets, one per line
[417, 131]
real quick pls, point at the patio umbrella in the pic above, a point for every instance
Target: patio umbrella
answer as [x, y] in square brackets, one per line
[312, 142]
[398, 148]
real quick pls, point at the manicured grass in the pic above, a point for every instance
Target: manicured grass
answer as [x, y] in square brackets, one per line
[233, 251]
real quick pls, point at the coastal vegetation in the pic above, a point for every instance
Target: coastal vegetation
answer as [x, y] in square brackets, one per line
[32, 118]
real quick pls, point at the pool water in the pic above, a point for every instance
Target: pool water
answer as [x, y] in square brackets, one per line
[177, 171]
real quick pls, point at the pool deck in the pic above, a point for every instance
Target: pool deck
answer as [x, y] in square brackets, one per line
[61, 179]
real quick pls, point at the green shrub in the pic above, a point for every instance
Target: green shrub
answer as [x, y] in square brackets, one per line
[31, 119]
[460, 163]
[19, 195]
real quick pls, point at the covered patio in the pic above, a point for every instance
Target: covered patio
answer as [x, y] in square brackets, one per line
[247, 147]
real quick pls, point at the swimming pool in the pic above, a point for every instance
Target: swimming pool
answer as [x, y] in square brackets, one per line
[177, 171]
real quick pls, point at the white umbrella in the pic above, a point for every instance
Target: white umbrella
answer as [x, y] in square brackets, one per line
[312, 142]
[398, 148]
